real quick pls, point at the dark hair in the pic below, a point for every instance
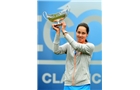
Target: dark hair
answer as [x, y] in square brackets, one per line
[84, 25]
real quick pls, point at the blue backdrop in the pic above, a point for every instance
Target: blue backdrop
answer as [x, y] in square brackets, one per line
[51, 66]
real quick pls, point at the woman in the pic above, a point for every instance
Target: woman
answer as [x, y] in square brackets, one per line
[79, 53]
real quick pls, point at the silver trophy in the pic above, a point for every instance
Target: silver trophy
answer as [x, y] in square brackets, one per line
[57, 17]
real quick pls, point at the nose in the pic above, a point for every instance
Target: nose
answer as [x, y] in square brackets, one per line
[80, 34]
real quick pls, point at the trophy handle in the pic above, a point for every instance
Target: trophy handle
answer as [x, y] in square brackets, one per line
[67, 9]
[45, 15]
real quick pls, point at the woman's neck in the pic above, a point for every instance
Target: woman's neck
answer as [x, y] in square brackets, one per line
[82, 42]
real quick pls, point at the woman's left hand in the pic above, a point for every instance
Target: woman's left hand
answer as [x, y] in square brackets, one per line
[63, 25]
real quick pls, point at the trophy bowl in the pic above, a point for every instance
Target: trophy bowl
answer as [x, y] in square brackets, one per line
[57, 17]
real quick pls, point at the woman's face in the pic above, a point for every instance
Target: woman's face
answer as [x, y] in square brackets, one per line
[81, 34]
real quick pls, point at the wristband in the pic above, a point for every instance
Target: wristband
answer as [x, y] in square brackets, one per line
[64, 32]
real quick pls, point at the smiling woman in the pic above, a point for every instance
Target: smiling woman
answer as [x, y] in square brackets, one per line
[79, 53]
[74, 42]
[82, 32]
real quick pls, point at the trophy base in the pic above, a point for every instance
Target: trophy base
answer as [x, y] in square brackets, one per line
[58, 21]
[58, 24]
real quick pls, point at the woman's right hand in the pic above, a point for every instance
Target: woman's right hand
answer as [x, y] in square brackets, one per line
[56, 28]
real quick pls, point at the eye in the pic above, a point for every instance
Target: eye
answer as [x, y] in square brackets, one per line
[78, 32]
[83, 33]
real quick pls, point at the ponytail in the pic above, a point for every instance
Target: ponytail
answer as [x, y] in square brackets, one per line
[86, 40]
